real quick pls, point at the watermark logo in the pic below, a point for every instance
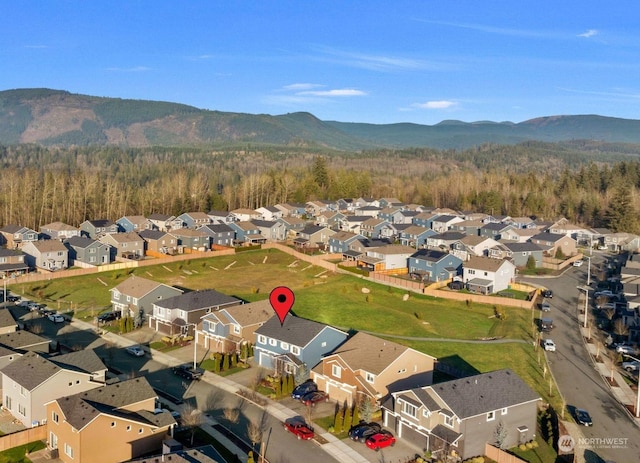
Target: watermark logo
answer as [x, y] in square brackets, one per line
[566, 443]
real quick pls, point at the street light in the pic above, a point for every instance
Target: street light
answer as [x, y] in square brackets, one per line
[586, 302]
[588, 270]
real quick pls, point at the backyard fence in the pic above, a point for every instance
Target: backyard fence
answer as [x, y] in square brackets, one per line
[23, 437]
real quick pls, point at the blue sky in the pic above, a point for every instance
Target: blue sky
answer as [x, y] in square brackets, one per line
[351, 61]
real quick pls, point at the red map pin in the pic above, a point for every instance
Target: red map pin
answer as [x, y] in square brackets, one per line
[281, 299]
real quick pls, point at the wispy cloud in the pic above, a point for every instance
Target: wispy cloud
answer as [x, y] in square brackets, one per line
[309, 93]
[36, 47]
[589, 33]
[131, 69]
[377, 62]
[335, 92]
[508, 31]
[438, 104]
[616, 93]
[301, 86]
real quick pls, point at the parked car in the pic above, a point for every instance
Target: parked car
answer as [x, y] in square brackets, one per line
[546, 324]
[12, 298]
[304, 388]
[381, 440]
[136, 351]
[604, 292]
[547, 293]
[583, 417]
[300, 429]
[361, 431]
[187, 371]
[578, 263]
[631, 366]
[56, 318]
[549, 345]
[108, 316]
[545, 306]
[624, 349]
[314, 397]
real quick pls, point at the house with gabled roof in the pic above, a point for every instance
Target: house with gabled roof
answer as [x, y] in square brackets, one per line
[391, 214]
[472, 245]
[293, 225]
[315, 207]
[32, 380]
[390, 202]
[227, 329]
[415, 236]
[552, 242]
[7, 356]
[25, 341]
[328, 218]
[7, 321]
[59, 231]
[425, 219]
[16, 236]
[97, 228]
[85, 251]
[369, 211]
[313, 236]
[365, 366]
[159, 241]
[220, 234]
[122, 414]
[292, 209]
[444, 222]
[377, 228]
[444, 241]
[468, 227]
[136, 295]
[495, 230]
[48, 255]
[126, 245]
[133, 223]
[12, 262]
[340, 241]
[194, 219]
[386, 258]
[522, 222]
[519, 235]
[297, 342]
[246, 233]
[430, 265]
[164, 222]
[459, 417]
[181, 314]
[520, 253]
[272, 230]
[217, 216]
[485, 275]
[270, 213]
[189, 238]
[245, 215]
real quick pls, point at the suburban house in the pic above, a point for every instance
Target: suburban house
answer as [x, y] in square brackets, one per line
[127, 245]
[159, 241]
[390, 202]
[244, 214]
[377, 228]
[430, 265]
[472, 245]
[486, 275]
[366, 366]
[46, 255]
[293, 225]
[468, 227]
[164, 222]
[328, 218]
[553, 243]
[12, 263]
[296, 343]
[443, 222]
[520, 235]
[220, 234]
[181, 314]
[269, 213]
[444, 241]
[313, 208]
[96, 228]
[415, 236]
[340, 241]
[23, 340]
[190, 238]
[495, 230]
[523, 222]
[621, 241]
[87, 251]
[121, 415]
[352, 223]
[246, 233]
[193, 219]
[391, 215]
[519, 253]
[59, 231]
[200, 454]
[313, 236]
[226, 330]
[133, 223]
[369, 211]
[386, 258]
[457, 418]
[220, 216]
[292, 209]
[15, 236]
[31, 381]
[271, 230]
[135, 296]
[7, 322]
[7, 356]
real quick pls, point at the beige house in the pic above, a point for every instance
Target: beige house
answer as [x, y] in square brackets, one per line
[48, 254]
[7, 322]
[110, 424]
[367, 366]
[31, 381]
[127, 245]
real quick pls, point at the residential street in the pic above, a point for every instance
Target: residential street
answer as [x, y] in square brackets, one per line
[579, 382]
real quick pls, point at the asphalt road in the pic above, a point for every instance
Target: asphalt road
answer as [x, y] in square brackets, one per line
[579, 382]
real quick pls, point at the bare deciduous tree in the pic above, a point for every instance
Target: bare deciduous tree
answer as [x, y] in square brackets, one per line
[192, 418]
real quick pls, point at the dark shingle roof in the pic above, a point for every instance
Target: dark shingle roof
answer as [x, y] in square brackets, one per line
[483, 393]
[294, 330]
[522, 247]
[196, 300]
[21, 339]
[80, 241]
[218, 227]
[149, 234]
[429, 255]
[6, 318]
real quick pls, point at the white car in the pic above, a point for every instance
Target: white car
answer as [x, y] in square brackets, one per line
[622, 349]
[549, 345]
[136, 351]
[578, 263]
[631, 366]
[56, 318]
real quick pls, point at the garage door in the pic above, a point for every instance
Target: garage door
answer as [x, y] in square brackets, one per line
[413, 437]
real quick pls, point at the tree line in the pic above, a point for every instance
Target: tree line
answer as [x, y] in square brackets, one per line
[592, 187]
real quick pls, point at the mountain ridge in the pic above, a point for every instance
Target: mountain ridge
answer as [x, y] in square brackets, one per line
[60, 118]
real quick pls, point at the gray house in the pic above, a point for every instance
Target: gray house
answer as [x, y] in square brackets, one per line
[297, 342]
[519, 253]
[136, 295]
[159, 241]
[133, 223]
[194, 219]
[459, 417]
[16, 236]
[127, 245]
[12, 262]
[432, 265]
[84, 250]
[220, 234]
[59, 231]
[97, 228]
[192, 239]
[47, 255]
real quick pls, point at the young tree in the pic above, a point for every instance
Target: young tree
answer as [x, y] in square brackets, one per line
[500, 434]
[192, 418]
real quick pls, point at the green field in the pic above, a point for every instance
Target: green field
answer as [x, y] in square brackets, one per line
[335, 299]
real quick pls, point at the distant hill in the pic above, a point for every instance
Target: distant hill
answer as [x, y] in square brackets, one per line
[55, 117]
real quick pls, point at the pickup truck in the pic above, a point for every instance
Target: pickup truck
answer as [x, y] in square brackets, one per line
[300, 429]
[187, 371]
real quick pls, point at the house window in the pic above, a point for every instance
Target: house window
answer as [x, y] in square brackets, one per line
[370, 377]
[448, 421]
[504, 411]
[336, 371]
[128, 427]
[7, 402]
[404, 370]
[236, 329]
[262, 339]
[54, 417]
[295, 350]
[426, 413]
[491, 416]
[22, 410]
[68, 450]
[284, 345]
[140, 431]
[409, 409]
[324, 344]
[272, 342]
[23, 391]
[113, 424]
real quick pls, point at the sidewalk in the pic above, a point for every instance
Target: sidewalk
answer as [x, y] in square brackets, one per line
[333, 446]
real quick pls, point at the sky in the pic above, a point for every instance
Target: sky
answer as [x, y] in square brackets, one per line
[380, 62]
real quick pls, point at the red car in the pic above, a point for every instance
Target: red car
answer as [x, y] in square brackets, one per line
[314, 397]
[380, 440]
[301, 430]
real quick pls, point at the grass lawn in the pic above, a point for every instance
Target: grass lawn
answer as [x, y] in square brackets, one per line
[542, 454]
[327, 422]
[17, 454]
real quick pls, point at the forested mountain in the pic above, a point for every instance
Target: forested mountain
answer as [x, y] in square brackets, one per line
[59, 118]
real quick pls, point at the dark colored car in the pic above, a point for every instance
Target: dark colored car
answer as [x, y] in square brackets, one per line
[583, 417]
[380, 440]
[107, 317]
[547, 293]
[303, 389]
[361, 431]
[187, 371]
[11, 298]
[314, 397]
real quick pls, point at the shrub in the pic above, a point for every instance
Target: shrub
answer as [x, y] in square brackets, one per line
[522, 447]
[529, 445]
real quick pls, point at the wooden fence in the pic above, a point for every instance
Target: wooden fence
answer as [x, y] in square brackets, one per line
[500, 456]
[23, 437]
[391, 280]
[480, 298]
